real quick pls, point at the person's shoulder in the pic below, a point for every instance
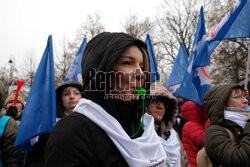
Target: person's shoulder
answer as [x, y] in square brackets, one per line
[12, 123]
[74, 122]
[213, 127]
[215, 132]
[73, 119]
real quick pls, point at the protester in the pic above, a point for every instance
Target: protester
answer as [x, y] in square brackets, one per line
[106, 128]
[226, 108]
[68, 95]
[9, 155]
[194, 129]
[163, 107]
[14, 110]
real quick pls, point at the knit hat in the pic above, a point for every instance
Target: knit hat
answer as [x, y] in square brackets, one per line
[12, 95]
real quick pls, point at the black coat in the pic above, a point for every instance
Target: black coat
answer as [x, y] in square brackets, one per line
[88, 146]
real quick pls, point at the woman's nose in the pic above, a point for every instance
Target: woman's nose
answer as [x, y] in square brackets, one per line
[72, 95]
[160, 104]
[245, 100]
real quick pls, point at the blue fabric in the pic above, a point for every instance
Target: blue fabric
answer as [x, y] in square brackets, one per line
[3, 122]
[153, 66]
[75, 67]
[39, 116]
[234, 25]
[178, 70]
[237, 23]
[196, 80]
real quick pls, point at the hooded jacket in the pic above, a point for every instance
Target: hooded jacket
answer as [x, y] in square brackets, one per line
[76, 140]
[169, 117]
[172, 105]
[194, 129]
[10, 155]
[217, 142]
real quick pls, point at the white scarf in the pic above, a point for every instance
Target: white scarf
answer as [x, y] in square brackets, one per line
[145, 151]
[172, 148]
[239, 119]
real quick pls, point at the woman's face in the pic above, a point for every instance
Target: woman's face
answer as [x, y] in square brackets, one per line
[19, 105]
[237, 99]
[70, 98]
[128, 72]
[156, 108]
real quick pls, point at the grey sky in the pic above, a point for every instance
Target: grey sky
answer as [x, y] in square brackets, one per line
[26, 24]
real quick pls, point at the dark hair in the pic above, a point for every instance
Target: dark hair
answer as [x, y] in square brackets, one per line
[59, 104]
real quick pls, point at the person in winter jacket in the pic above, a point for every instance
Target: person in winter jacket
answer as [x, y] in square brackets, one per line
[68, 95]
[226, 108]
[106, 129]
[194, 129]
[163, 107]
[9, 155]
[14, 111]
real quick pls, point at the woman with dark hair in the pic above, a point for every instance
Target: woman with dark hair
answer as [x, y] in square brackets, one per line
[227, 139]
[68, 95]
[108, 126]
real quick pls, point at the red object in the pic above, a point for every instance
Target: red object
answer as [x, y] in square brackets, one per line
[193, 130]
[19, 86]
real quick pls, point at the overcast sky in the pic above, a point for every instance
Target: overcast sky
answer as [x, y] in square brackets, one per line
[26, 24]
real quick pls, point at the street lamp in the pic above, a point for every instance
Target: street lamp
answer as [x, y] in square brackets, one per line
[11, 62]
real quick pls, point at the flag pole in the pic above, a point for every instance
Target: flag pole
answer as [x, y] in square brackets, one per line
[247, 66]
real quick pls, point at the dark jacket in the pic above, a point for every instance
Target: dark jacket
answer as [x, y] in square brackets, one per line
[77, 141]
[35, 156]
[219, 147]
[11, 157]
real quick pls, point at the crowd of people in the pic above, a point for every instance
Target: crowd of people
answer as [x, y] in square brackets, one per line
[118, 118]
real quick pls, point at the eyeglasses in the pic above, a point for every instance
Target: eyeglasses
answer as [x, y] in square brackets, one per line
[157, 101]
[240, 97]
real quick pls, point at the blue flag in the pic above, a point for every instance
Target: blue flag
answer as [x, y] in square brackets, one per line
[39, 116]
[234, 25]
[178, 70]
[75, 68]
[153, 66]
[197, 79]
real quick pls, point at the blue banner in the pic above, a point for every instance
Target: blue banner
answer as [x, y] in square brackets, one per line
[153, 65]
[75, 69]
[39, 116]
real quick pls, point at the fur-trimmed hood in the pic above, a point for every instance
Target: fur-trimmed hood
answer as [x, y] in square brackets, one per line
[215, 101]
[171, 102]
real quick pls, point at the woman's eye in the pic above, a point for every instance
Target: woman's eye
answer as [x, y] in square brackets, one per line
[66, 94]
[126, 63]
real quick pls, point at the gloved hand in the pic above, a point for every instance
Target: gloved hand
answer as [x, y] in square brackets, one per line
[12, 112]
